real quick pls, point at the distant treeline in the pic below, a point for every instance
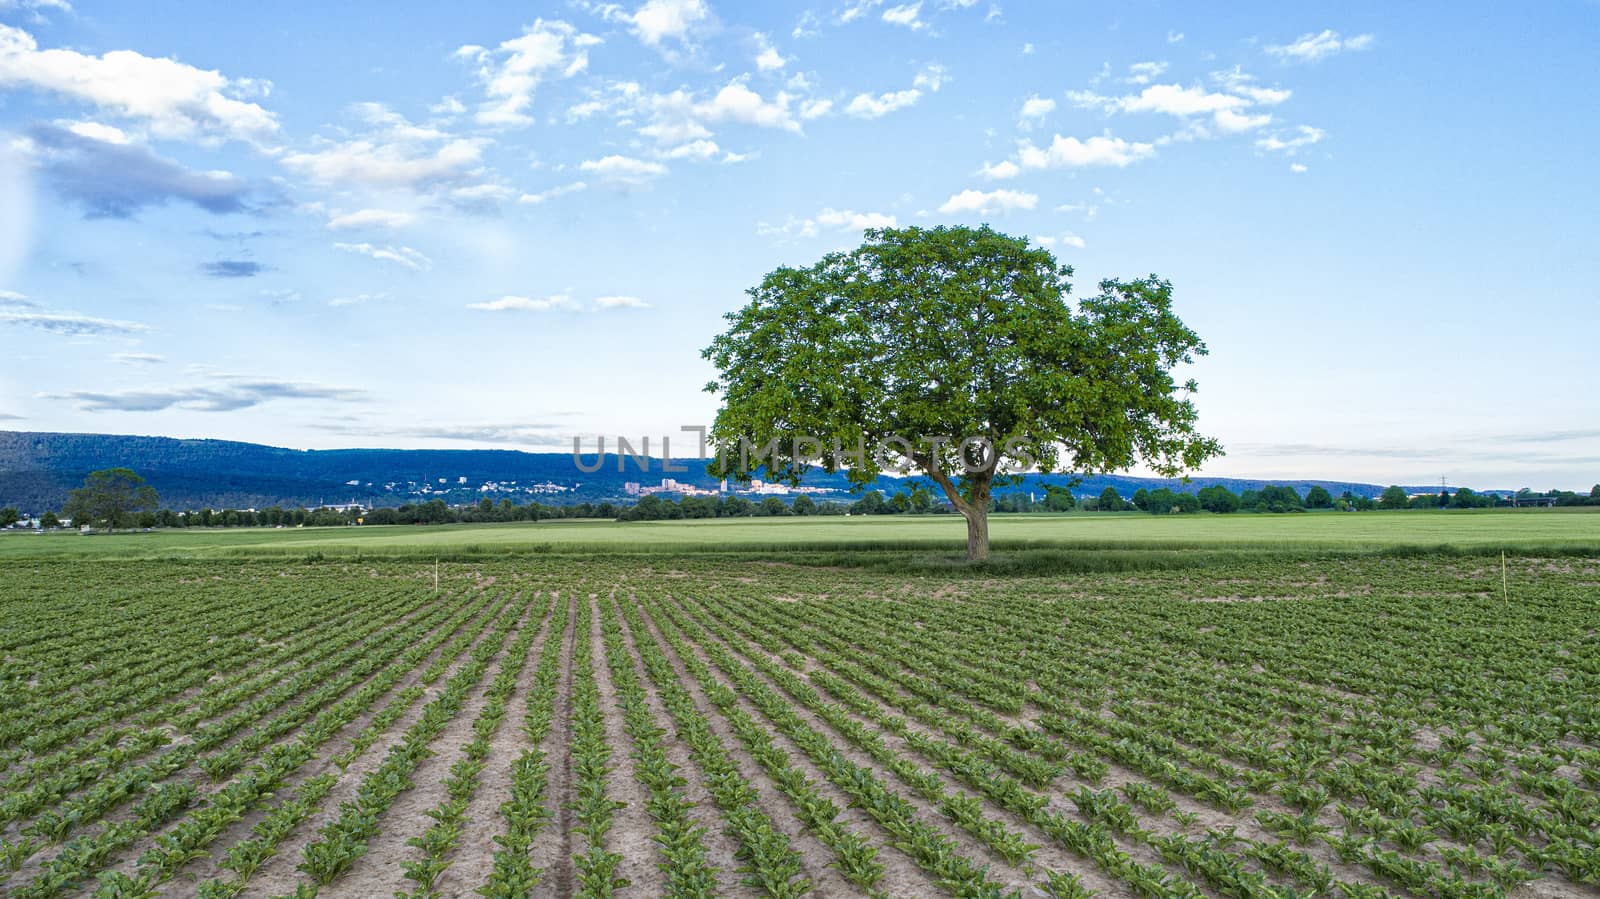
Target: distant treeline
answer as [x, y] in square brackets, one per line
[1161, 501]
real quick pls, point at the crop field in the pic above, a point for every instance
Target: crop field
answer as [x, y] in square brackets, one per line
[650, 724]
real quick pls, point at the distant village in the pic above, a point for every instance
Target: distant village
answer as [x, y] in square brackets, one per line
[757, 487]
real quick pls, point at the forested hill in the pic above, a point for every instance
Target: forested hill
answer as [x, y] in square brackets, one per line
[37, 470]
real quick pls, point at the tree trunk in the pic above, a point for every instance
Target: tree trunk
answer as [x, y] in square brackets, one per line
[978, 533]
[974, 508]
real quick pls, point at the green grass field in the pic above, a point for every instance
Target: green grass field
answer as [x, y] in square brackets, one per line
[1314, 532]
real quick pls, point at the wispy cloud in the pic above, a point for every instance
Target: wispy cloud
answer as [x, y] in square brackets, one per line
[371, 218]
[231, 394]
[231, 268]
[71, 323]
[1312, 47]
[113, 180]
[402, 256]
[545, 196]
[624, 169]
[513, 303]
[621, 302]
[512, 71]
[138, 359]
[514, 434]
[1291, 142]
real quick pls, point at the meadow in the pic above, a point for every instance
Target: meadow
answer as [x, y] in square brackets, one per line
[1249, 706]
[1539, 529]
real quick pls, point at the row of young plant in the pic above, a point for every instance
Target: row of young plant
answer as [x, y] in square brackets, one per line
[191, 839]
[771, 863]
[528, 812]
[404, 648]
[88, 808]
[1554, 819]
[1082, 725]
[1003, 693]
[1105, 816]
[926, 844]
[971, 757]
[592, 805]
[344, 839]
[439, 842]
[681, 842]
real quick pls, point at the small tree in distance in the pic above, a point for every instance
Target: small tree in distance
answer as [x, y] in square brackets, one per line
[1393, 497]
[109, 496]
[961, 335]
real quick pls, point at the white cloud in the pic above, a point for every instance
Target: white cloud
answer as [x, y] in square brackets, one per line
[1297, 168]
[1000, 171]
[480, 195]
[768, 59]
[1225, 108]
[1070, 152]
[377, 218]
[1303, 136]
[986, 202]
[403, 256]
[1177, 100]
[172, 99]
[552, 193]
[1145, 72]
[511, 72]
[1034, 109]
[623, 168]
[857, 9]
[850, 220]
[698, 150]
[1066, 240]
[905, 15]
[815, 109]
[1174, 37]
[843, 220]
[1312, 47]
[738, 103]
[525, 304]
[866, 106]
[621, 302]
[106, 134]
[659, 20]
[449, 106]
[387, 163]
[1229, 121]
[1236, 81]
[931, 78]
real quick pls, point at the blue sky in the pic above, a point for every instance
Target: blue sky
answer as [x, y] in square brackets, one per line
[338, 225]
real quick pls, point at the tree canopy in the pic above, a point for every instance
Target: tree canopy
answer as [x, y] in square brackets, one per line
[110, 496]
[955, 352]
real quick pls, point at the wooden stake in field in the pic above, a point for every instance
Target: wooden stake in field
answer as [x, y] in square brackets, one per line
[436, 574]
[1505, 590]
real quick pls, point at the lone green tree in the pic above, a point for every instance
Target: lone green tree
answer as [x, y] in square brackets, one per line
[109, 496]
[954, 352]
[1393, 497]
